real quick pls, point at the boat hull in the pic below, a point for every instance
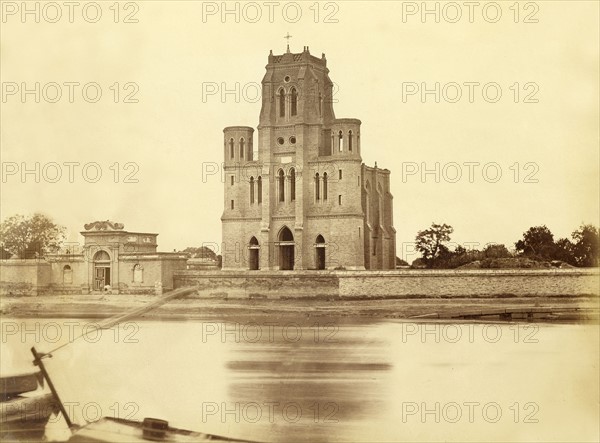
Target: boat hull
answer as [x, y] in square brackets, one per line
[18, 384]
[25, 418]
[117, 430]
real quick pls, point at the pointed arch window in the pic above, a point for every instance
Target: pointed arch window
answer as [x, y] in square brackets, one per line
[242, 147]
[254, 254]
[292, 184]
[251, 190]
[281, 181]
[231, 148]
[259, 186]
[320, 252]
[281, 103]
[325, 186]
[350, 141]
[341, 140]
[294, 101]
[317, 187]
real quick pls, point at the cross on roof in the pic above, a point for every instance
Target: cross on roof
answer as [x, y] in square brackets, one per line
[288, 37]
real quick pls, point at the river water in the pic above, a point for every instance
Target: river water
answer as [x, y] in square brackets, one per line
[299, 380]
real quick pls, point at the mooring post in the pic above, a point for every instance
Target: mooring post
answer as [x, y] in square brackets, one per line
[38, 362]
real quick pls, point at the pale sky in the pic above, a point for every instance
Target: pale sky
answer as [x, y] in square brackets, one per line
[374, 53]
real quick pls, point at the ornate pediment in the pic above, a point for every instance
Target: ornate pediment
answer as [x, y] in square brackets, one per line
[104, 226]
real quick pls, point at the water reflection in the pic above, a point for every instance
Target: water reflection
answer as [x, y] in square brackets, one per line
[334, 381]
[310, 384]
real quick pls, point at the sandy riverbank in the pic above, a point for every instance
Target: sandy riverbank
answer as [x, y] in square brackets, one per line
[103, 306]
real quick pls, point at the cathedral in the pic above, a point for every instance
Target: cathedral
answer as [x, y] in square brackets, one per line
[303, 199]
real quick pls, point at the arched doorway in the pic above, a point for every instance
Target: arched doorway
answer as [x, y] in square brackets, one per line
[320, 252]
[253, 252]
[101, 270]
[286, 249]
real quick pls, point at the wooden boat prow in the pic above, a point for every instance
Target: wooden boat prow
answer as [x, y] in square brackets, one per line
[118, 430]
[12, 385]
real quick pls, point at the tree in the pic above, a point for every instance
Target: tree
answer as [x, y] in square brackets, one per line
[430, 242]
[30, 237]
[563, 251]
[461, 256]
[537, 241]
[400, 262]
[201, 252]
[496, 251]
[585, 246]
[4, 254]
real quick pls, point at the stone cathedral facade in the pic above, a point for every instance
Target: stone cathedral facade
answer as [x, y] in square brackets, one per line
[301, 198]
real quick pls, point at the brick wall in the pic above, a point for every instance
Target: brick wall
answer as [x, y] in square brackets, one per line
[409, 283]
[24, 277]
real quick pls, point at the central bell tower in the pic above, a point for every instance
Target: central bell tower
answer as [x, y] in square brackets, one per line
[296, 89]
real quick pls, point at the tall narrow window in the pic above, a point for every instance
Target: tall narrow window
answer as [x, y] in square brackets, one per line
[138, 276]
[67, 275]
[325, 186]
[341, 141]
[251, 190]
[368, 202]
[340, 173]
[317, 187]
[281, 185]
[250, 155]
[281, 103]
[340, 200]
[232, 179]
[294, 102]
[231, 150]
[320, 104]
[259, 190]
[350, 141]
[241, 148]
[292, 184]
[232, 205]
